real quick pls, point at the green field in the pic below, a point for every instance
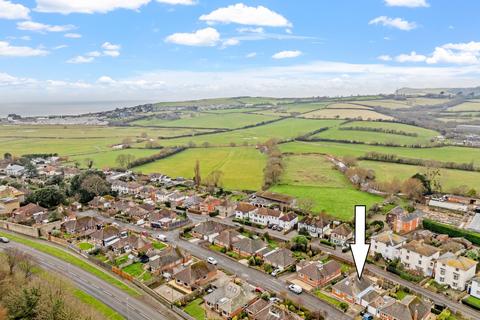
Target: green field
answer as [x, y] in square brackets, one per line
[347, 106]
[423, 137]
[284, 129]
[445, 154]
[312, 177]
[449, 178]
[207, 120]
[108, 159]
[363, 114]
[242, 166]
[466, 106]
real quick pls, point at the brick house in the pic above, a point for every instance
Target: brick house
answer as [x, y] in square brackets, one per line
[317, 274]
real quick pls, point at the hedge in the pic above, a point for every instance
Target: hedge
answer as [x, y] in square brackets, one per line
[452, 231]
[472, 302]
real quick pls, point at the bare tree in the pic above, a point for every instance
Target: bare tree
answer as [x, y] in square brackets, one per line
[413, 189]
[12, 257]
[27, 265]
[197, 178]
[306, 204]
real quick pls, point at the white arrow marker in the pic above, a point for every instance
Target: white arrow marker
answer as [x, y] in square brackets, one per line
[360, 248]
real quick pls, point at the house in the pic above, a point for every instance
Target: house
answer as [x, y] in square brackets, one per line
[265, 216]
[14, 170]
[374, 301]
[267, 198]
[10, 199]
[418, 256]
[231, 299]
[225, 208]
[387, 244]
[352, 289]
[341, 234]
[30, 212]
[317, 274]
[208, 230]
[195, 275]
[227, 238]
[131, 188]
[243, 209]
[209, 205]
[166, 260]
[11, 192]
[176, 199]
[132, 243]
[280, 258]
[192, 201]
[474, 288]
[455, 271]
[402, 221]
[249, 247]
[410, 308]
[101, 203]
[265, 310]
[288, 221]
[162, 219]
[106, 236]
[82, 226]
[315, 226]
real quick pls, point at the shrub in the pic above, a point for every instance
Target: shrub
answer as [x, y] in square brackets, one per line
[437, 227]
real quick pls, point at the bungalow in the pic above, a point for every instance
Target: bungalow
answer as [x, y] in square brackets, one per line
[101, 203]
[231, 299]
[387, 244]
[167, 260]
[195, 275]
[14, 170]
[419, 256]
[410, 308]
[176, 199]
[265, 310]
[315, 226]
[11, 192]
[317, 274]
[341, 234]
[162, 219]
[30, 212]
[455, 271]
[131, 188]
[402, 221]
[106, 236]
[82, 226]
[352, 289]
[249, 247]
[208, 230]
[227, 238]
[132, 243]
[374, 301]
[280, 258]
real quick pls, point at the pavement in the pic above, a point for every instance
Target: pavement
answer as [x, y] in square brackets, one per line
[131, 308]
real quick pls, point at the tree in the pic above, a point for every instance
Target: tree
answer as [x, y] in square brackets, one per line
[7, 156]
[94, 184]
[89, 163]
[30, 169]
[413, 189]
[300, 243]
[306, 204]
[48, 197]
[197, 178]
[27, 265]
[125, 160]
[214, 179]
[12, 257]
[349, 161]
[86, 192]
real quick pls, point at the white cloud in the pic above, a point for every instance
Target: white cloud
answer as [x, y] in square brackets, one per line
[250, 30]
[105, 80]
[72, 35]
[62, 46]
[207, 37]
[407, 3]
[41, 27]
[7, 50]
[384, 57]
[230, 42]
[287, 54]
[242, 14]
[13, 11]
[443, 55]
[87, 6]
[179, 2]
[397, 23]
[411, 57]
[251, 55]
[111, 50]
[80, 60]
[94, 54]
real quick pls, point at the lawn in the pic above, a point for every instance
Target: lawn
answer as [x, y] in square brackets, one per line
[207, 120]
[445, 154]
[312, 177]
[423, 135]
[135, 269]
[159, 245]
[328, 299]
[473, 302]
[242, 167]
[85, 246]
[67, 257]
[102, 308]
[195, 309]
[449, 178]
[284, 129]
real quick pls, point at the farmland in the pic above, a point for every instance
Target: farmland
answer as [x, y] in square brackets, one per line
[466, 106]
[363, 114]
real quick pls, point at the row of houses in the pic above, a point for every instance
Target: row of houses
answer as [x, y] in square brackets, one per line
[447, 268]
[265, 216]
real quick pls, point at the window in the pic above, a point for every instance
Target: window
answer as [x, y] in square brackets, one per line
[442, 279]
[419, 262]
[456, 276]
[442, 271]
[407, 257]
[454, 284]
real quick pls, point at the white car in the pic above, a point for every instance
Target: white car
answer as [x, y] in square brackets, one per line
[162, 237]
[4, 240]
[212, 260]
[295, 288]
[275, 300]
[276, 272]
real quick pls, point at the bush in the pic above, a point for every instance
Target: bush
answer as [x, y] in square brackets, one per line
[472, 302]
[343, 306]
[454, 232]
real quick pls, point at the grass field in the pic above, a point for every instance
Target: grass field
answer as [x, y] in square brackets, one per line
[466, 106]
[347, 106]
[102, 308]
[346, 114]
[402, 104]
[284, 129]
[312, 177]
[195, 309]
[448, 178]
[424, 136]
[242, 166]
[206, 120]
[107, 159]
[445, 154]
[70, 258]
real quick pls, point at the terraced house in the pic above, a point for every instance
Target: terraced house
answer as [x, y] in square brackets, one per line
[317, 226]
[419, 256]
[387, 244]
[455, 271]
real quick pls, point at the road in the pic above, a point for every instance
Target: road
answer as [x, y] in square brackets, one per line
[129, 307]
[435, 297]
[253, 276]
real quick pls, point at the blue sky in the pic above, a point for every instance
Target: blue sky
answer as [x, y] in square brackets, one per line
[182, 49]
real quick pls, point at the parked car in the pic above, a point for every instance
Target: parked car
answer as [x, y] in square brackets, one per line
[276, 272]
[295, 288]
[212, 260]
[275, 300]
[4, 240]
[260, 290]
[162, 237]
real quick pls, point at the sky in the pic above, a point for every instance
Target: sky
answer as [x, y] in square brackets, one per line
[162, 50]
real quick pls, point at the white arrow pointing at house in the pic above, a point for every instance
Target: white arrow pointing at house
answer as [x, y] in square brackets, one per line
[360, 248]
